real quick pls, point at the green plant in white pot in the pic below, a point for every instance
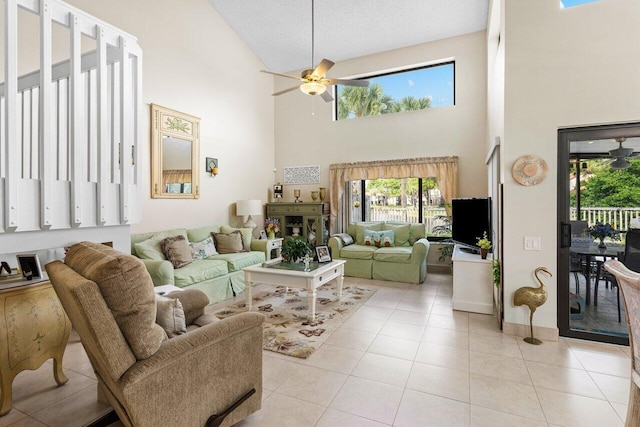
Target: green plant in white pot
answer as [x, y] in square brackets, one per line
[295, 249]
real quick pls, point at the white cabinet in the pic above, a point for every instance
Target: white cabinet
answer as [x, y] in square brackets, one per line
[472, 282]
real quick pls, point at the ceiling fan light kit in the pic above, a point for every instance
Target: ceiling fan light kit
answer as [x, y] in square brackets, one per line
[314, 81]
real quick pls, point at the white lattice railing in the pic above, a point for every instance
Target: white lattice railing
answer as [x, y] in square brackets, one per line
[619, 218]
[69, 132]
[409, 214]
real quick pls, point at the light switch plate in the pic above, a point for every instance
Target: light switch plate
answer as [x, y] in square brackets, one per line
[532, 243]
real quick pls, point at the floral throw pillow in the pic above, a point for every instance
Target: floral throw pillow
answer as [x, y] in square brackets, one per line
[203, 249]
[379, 239]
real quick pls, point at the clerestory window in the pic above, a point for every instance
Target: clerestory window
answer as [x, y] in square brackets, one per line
[419, 88]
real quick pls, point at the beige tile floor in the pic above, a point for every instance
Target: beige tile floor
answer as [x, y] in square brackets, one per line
[404, 359]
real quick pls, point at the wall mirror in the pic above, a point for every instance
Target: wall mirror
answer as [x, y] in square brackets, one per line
[175, 147]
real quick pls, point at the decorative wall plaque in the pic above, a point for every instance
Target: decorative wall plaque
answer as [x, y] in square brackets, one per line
[302, 175]
[529, 170]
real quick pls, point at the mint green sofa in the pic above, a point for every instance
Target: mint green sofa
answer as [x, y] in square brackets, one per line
[220, 277]
[406, 261]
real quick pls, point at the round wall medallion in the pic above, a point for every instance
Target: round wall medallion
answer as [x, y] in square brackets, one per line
[529, 170]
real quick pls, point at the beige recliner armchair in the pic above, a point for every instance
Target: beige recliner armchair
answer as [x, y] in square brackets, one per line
[149, 380]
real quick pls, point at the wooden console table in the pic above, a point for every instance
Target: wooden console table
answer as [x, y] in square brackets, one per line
[33, 328]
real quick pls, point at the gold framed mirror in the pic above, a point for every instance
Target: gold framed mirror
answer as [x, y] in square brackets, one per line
[175, 147]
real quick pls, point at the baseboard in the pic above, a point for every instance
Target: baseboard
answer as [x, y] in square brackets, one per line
[542, 333]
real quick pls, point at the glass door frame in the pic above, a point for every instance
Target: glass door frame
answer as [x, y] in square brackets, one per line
[565, 136]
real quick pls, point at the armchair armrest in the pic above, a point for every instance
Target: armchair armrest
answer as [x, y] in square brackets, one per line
[161, 272]
[201, 373]
[335, 245]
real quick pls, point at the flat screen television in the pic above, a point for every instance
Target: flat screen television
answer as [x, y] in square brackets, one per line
[470, 218]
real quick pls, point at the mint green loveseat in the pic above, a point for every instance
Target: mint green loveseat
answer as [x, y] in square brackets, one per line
[219, 276]
[406, 261]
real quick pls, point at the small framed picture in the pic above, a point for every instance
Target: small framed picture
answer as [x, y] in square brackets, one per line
[263, 235]
[323, 253]
[30, 266]
[277, 191]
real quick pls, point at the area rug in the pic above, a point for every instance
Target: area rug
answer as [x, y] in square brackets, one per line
[287, 329]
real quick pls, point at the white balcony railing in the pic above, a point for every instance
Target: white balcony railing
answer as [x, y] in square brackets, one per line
[409, 214]
[619, 218]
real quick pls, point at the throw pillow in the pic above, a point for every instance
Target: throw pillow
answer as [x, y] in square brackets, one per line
[170, 316]
[378, 238]
[387, 238]
[401, 233]
[150, 249]
[229, 243]
[177, 251]
[203, 249]
[247, 235]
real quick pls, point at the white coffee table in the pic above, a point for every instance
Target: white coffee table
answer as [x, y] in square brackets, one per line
[295, 278]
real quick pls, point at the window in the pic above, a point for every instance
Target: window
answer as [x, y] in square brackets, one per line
[406, 200]
[571, 3]
[414, 89]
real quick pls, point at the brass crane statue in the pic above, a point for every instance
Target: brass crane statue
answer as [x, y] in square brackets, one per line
[534, 298]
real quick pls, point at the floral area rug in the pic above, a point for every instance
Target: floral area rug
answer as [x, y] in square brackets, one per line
[287, 329]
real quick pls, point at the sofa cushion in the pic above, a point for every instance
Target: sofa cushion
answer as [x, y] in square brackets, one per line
[357, 252]
[247, 234]
[176, 250]
[127, 289]
[150, 249]
[170, 316]
[238, 261]
[198, 271]
[203, 249]
[401, 233]
[199, 234]
[378, 238]
[229, 243]
[360, 227]
[396, 254]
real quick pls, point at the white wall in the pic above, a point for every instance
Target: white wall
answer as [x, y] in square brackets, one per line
[563, 67]
[307, 135]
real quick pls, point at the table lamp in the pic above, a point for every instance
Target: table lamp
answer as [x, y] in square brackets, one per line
[248, 208]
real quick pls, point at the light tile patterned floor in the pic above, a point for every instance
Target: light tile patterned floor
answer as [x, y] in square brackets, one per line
[404, 359]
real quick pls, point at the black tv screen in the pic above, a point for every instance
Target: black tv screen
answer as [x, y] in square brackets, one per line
[470, 218]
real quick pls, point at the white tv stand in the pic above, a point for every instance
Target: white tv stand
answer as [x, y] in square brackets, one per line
[472, 282]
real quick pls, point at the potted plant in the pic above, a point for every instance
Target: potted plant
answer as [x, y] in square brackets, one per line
[495, 269]
[485, 245]
[295, 249]
[446, 252]
[272, 226]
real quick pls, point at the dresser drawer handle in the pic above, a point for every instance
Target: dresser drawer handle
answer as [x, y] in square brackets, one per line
[321, 278]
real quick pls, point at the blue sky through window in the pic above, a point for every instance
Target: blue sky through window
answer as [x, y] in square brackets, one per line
[434, 82]
[571, 3]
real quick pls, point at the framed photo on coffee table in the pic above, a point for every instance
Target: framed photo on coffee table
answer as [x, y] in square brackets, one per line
[323, 253]
[29, 266]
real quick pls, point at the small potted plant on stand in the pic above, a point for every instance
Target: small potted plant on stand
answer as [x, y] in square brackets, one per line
[485, 245]
[294, 250]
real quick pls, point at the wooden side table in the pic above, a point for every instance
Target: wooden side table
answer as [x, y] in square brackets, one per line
[33, 328]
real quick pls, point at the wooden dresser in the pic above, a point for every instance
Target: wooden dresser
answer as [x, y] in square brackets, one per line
[33, 328]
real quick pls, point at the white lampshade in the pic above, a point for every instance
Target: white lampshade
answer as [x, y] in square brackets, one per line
[249, 207]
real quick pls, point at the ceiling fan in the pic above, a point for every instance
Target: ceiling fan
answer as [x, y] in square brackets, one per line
[621, 155]
[314, 81]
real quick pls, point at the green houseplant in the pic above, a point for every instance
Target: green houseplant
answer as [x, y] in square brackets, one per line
[485, 244]
[295, 249]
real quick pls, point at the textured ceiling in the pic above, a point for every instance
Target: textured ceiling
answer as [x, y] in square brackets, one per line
[279, 31]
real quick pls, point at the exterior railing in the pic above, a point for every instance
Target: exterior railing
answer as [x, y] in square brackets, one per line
[409, 214]
[619, 218]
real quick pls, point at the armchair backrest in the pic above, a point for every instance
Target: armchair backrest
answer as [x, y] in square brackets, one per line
[629, 282]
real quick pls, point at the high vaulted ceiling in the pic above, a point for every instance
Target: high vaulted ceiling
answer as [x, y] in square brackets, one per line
[279, 31]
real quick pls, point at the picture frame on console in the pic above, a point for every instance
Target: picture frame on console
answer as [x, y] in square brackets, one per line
[29, 266]
[263, 235]
[322, 251]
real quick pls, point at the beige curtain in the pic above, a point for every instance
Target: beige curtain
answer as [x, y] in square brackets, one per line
[443, 169]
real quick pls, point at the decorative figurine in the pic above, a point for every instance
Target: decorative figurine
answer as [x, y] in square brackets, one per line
[534, 298]
[306, 260]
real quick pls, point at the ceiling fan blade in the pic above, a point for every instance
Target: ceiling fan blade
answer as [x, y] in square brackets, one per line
[345, 82]
[326, 96]
[286, 90]
[323, 67]
[283, 75]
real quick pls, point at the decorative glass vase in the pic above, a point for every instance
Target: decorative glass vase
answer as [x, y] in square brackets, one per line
[601, 245]
[271, 234]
